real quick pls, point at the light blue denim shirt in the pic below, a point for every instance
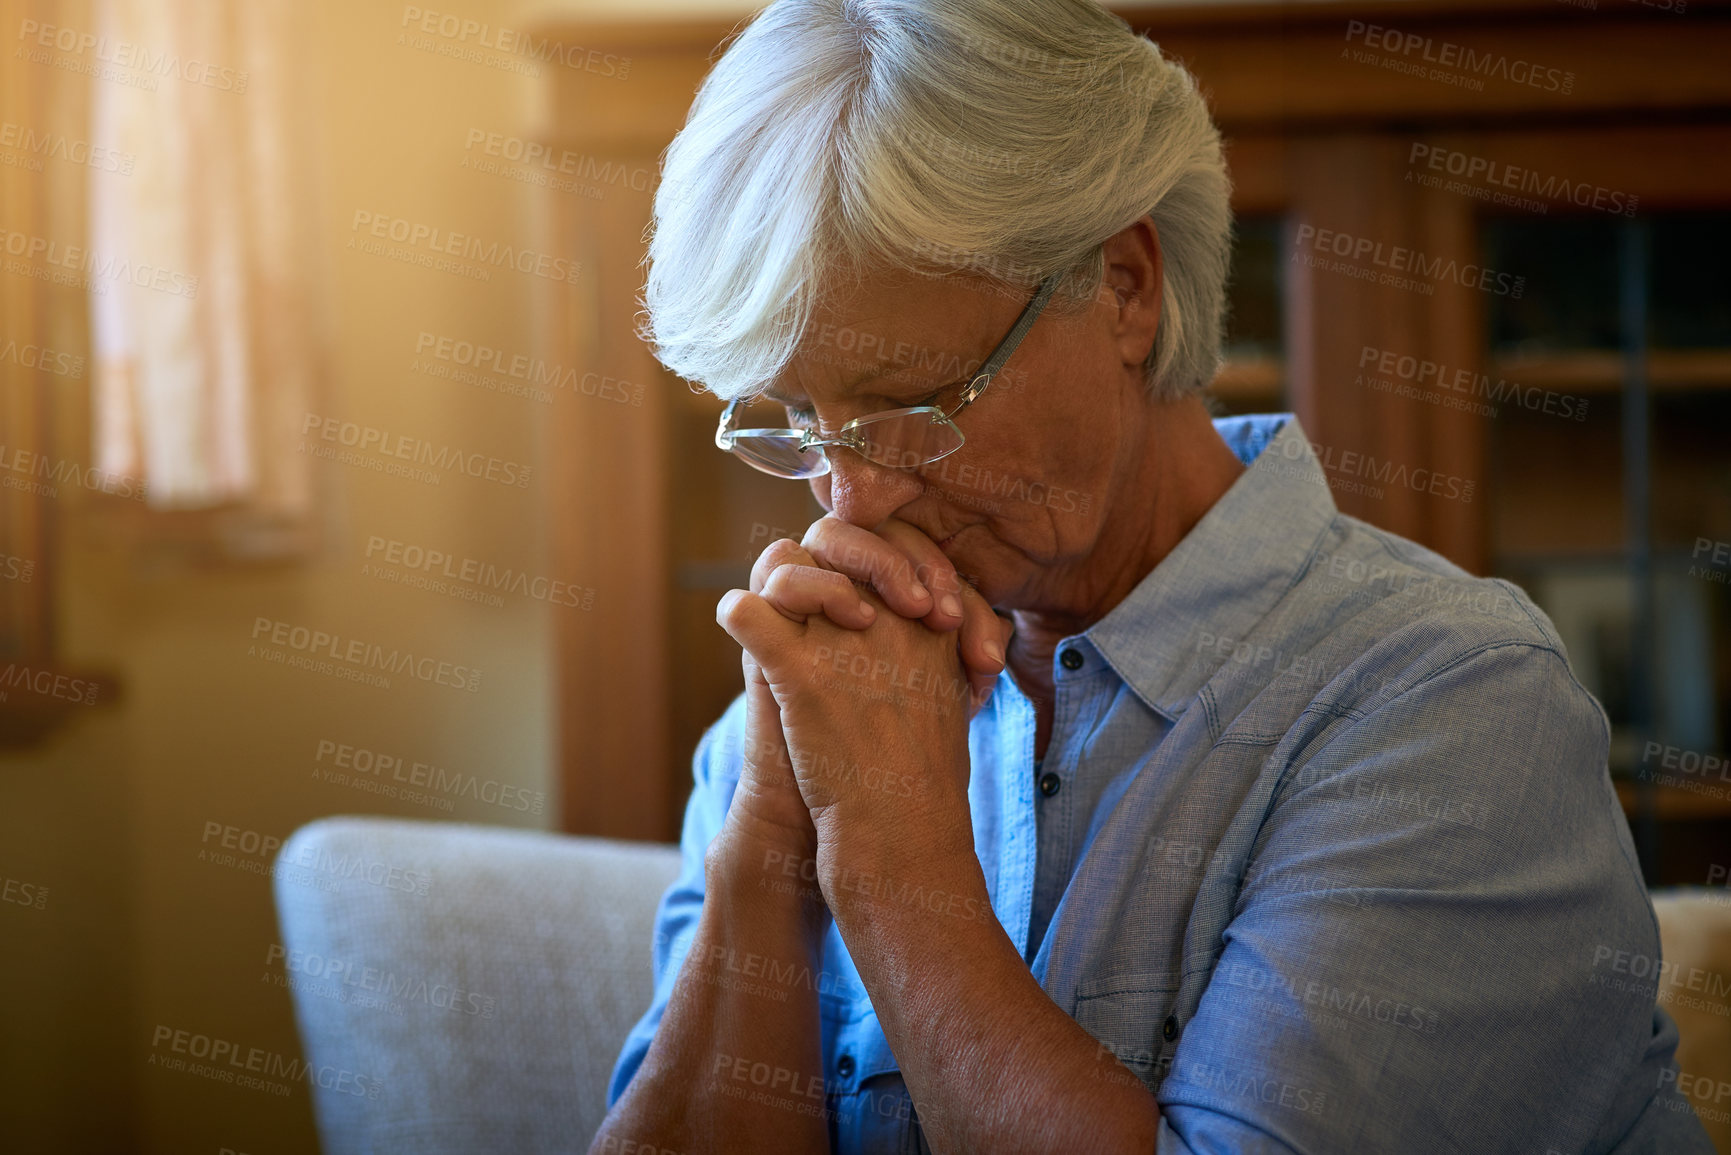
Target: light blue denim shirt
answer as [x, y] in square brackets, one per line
[1333, 862]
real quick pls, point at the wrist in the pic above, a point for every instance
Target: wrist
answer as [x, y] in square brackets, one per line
[768, 870]
[884, 879]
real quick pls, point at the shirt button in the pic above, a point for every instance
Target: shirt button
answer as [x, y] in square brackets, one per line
[844, 1066]
[1071, 659]
[1169, 1029]
[1049, 783]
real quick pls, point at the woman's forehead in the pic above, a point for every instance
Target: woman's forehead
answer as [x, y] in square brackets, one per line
[894, 334]
[949, 310]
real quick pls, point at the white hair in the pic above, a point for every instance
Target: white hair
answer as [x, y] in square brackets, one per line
[1008, 138]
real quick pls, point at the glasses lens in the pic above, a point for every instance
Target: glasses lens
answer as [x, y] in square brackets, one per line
[907, 440]
[781, 456]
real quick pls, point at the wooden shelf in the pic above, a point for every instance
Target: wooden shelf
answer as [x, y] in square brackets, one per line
[1246, 380]
[1602, 372]
[1678, 804]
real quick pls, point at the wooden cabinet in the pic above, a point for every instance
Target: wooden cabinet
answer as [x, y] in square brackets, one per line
[1336, 116]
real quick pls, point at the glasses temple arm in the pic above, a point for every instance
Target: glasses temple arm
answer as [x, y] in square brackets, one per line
[995, 362]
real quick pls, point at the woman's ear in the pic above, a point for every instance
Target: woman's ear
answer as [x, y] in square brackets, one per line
[1133, 274]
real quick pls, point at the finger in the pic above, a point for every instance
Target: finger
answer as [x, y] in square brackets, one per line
[759, 699]
[782, 551]
[864, 556]
[932, 569]
[757, 626]
[982, 638]
[981, 682]
[798, 590]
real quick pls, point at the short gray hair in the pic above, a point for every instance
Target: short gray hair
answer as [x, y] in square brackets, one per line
[1009, 138]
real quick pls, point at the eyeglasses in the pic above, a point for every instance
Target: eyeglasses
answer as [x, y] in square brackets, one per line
[898, 438]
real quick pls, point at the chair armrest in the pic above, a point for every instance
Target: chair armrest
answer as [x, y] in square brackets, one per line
[464, 988]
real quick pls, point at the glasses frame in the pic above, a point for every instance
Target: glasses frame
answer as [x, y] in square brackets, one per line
[849, 436]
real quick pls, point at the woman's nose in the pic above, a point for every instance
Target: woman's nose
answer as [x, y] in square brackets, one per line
[863, 493]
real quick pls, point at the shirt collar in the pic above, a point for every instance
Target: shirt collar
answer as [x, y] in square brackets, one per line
[1227, 572]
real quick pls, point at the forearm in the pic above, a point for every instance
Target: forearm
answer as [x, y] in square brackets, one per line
[736, 1062]
[992, 1063]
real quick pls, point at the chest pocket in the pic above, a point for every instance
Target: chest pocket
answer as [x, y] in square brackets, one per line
[1131, 1024]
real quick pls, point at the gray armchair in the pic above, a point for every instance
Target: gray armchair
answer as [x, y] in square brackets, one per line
[482, 980]
[463, 988]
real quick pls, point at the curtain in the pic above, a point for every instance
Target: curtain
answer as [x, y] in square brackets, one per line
[205, 334]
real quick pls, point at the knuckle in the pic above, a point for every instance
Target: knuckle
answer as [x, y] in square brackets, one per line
[777, 554]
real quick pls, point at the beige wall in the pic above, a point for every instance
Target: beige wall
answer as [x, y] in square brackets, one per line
[110, 814]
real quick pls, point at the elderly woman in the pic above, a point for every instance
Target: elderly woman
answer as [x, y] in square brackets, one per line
[1096, 784]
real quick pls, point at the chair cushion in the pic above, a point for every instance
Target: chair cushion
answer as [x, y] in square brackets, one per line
[464, 988]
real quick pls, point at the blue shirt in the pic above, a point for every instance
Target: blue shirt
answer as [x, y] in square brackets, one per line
[1333, 863]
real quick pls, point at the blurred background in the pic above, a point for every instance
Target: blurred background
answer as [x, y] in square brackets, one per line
[333, 479]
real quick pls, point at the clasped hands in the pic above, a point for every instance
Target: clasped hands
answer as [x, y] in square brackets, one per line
[865, 656]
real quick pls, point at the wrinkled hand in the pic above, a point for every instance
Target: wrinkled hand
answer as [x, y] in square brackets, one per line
[768, 794]
[875, 721]
[912, 577]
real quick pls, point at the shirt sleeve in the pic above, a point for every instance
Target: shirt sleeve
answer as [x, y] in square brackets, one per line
[715, 773]
[1438, 939]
